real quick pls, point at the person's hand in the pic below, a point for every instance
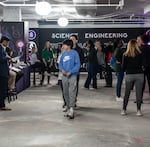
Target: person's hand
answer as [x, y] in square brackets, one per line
[63, 72]
[68, 74]
[8, 57]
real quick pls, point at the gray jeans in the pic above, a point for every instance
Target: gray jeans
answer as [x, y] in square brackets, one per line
[131, 80]
[69, 90]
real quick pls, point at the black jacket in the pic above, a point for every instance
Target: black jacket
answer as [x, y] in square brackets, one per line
[146, 55]
[133, 65]
[4, 68]
[80, 53]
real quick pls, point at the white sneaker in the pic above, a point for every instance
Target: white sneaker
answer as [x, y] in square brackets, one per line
[84, 87]
[139, 113]
[71, 113]
[91, 88]
[123, 112]
[119, 99]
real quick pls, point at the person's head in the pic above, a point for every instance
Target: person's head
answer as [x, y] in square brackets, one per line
[142, 39]
[98, 45]
[4, 41]
[67, 45]
[132, 48]
[89, 45]
[47, 45]
[74, 39]
[118, 43]
[34, 50]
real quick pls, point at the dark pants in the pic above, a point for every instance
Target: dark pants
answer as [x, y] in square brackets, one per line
[78, 78]
[120, 76]
[41, 67]
[3, 90]
[61, 86]
[49, 70]
[88, 80]
[146, 75]
[100, 71]
[130, 80]
[148, 78]
[108, 75]
[92, 72]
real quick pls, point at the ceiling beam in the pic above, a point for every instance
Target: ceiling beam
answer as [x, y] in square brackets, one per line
[64, 5]
[147, 9]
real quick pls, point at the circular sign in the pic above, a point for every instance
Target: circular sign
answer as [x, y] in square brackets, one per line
[32, 34]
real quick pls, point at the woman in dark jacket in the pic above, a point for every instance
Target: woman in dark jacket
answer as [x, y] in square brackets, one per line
[92, 65]
[133, 66]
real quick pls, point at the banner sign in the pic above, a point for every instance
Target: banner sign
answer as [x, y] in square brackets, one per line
[55, 36]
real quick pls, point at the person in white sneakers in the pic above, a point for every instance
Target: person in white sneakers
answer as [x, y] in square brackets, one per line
[69, 65]
[133, 66]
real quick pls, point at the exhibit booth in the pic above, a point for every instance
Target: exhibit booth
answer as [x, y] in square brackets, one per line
[17, 32]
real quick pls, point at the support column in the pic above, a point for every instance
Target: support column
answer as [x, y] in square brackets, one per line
[12, 14]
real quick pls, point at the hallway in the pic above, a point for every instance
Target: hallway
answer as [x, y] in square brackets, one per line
[37, 120]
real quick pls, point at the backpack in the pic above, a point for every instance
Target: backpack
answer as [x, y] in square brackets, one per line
[112, 62]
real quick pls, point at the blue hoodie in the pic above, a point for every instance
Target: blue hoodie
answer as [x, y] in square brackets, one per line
[70, 62]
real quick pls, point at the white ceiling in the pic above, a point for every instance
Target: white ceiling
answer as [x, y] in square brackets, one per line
[133, 10]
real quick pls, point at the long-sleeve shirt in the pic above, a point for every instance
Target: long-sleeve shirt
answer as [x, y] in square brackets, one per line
[133, 65]
[118, 54]
[4, 68]
[70, 62]
[146, 56]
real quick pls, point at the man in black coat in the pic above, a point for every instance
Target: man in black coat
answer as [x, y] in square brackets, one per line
[74, 38]
[4, 72]
[146, 53]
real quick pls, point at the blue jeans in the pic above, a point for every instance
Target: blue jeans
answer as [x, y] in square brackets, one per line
[120, 76]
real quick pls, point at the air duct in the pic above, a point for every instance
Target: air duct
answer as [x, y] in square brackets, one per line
[88, 10]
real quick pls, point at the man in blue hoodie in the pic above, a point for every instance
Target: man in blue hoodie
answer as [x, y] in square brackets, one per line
[69, 66]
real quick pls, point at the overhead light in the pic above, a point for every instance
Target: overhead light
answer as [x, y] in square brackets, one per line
[63, 21]
[43, 8]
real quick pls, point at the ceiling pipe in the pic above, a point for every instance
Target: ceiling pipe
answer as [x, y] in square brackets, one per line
[62, 5]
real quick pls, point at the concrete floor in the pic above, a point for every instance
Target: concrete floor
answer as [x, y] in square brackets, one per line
[37, 120]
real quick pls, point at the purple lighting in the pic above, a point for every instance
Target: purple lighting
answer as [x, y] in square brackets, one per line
[20, 44]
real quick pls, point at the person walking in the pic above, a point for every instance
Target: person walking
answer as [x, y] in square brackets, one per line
[133, 66]
[69, 65]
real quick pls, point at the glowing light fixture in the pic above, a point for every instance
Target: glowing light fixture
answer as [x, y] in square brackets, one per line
[63, 21]
[43, 8]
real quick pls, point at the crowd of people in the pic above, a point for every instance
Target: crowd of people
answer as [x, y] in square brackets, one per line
[131, 61]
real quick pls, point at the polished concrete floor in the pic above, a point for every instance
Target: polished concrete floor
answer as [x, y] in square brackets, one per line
[37, 120]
